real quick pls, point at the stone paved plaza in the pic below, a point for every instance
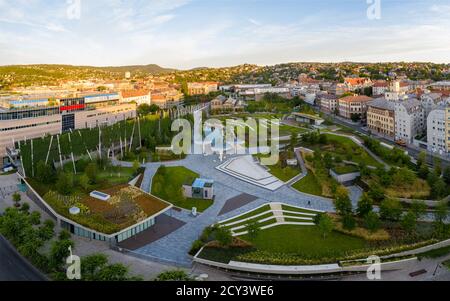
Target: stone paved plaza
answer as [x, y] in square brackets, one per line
[174, 247]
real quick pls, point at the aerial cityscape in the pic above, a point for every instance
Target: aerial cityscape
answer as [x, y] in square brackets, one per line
[250, 144]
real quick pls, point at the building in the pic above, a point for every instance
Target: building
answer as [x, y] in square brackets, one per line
[409, 120]
[223, 104]
[307, 118]
[338, 89]
[380, 87]
[437, 130]
[354, 83]
[199, 88]
[353, 105]
[199, 189]
[65, 114]
[328, 103]
[381, 117]
[430, 100]
[442, 85]
[280, 91]
[137, 96]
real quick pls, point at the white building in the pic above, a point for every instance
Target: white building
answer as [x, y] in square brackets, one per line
[436, 127]
[137, 96]
[409, 120]
[430, 101]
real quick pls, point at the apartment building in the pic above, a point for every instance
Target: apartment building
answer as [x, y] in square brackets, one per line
[350, 105]
[437, 130]
[354, 83]
[199, 88]
[410, 120]
[328, 103]
[381, 117]
[137, 96]
[20, 124]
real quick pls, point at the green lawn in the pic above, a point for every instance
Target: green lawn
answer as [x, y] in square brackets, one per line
[168, 186]
[295, 209]
[359, 155]
[306, 241]
[309, 184]
[251, 213]
[345, 168]
[284, 174]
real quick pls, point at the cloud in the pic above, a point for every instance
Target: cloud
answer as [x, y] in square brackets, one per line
[254, 22]
[163, 19]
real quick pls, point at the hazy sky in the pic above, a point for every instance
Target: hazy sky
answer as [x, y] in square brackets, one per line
[193, 33]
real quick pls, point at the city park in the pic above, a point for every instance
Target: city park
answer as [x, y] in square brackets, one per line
[304, 210]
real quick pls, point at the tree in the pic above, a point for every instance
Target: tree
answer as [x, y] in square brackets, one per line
[325, 224]
[418, 208]
[95, 267]
[342, 202]
[390, 209]
[25, 207]
[348, 222]
[437, 163]
[135, 166]
[91, 171]
[177, 275]
[441, 212]
[372, 221]
[44, 172]
[409, 222]
[59, 252]
[35, 218]
[422, 158]
[64, 185]
[376, 193]
[253, 230]
[355, 117]
[440, 215]
[439, 188]
[423, 171]
[365, 205]
[446, 175]
[83, 181]
[223, 236]
[16, 199]
[294, 139]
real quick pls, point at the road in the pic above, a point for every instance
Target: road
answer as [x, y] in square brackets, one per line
[13, 267]
[411, 151]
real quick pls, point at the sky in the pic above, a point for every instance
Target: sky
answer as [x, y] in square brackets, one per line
[186, 34]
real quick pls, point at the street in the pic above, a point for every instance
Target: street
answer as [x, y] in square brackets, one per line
[411, 151]
[13, 267]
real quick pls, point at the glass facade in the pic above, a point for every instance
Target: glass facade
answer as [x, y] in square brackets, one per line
[28, 113]
[118, 238]
[133, 231]
[68, 122]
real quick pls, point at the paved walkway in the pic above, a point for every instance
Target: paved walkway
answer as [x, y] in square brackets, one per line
[175, 246]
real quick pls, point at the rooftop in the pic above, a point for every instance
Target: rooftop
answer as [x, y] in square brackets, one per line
[357, 98]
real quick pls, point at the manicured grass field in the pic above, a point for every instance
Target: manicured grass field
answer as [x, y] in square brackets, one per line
[249, 214]
[284, 174]
[299, 210]
[306, 241]
[168, 186]
[359, 155]
[309, 184]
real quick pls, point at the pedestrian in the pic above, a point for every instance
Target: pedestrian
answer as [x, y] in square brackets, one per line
[309, 203]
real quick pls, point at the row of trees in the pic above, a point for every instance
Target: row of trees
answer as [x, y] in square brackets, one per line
[389, 210]
[29, 235]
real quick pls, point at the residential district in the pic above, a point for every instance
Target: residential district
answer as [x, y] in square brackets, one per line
[89, 169]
